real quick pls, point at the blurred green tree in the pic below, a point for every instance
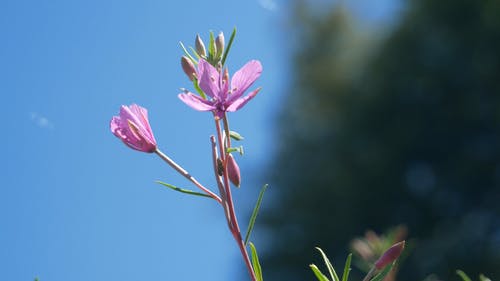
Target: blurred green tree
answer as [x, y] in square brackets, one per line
[386, 130]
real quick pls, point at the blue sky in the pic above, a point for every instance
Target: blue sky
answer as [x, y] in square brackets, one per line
[75, 203]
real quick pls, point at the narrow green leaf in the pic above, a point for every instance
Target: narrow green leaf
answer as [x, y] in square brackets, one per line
[187, 53]
[195, 54]
[238, 149]
[383, 273]
[329, 265]
[226, 52]
[236, 136]
[463, 275]
[318, 273]
[187, 191]
[483, 278]
[211, 47]
[198, 89]
[255, 263]
[347, 268]
[254, 213]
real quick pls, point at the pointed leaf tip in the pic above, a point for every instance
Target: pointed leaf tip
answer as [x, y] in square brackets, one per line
[182, 190]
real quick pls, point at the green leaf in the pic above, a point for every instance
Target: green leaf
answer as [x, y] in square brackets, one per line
[255, 213]
[211, 47]
[329, 265]
[483, 278]
[463, 275]
[187, 191]
[238, 149]
[347, 268]
[226, 52]
[187, 53]
[383, 273]
[236, 136]
[255, 263]
[318, 273]
[195, 53]
[198, 89]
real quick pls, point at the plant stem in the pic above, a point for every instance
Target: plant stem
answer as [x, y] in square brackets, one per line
[233, 227]
[369, 274]
[185, 174]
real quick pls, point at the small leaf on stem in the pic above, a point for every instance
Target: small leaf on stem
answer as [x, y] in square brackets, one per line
[318, 273]
[187, 191]
[236, 136]
[463, 275]
[255, 263]
[254, 213]
[329, 265]
[347, 268]
[226, 52]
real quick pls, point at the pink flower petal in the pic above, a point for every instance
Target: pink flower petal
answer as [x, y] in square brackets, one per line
[244, 78]
[209, 79]
[196, 102]
[141, 115]
[239, 103]
[132, 127]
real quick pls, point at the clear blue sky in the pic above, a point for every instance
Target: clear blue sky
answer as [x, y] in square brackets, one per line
[75, 203]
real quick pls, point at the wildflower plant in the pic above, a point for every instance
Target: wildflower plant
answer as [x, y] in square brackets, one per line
[213, 91]
[216, 92]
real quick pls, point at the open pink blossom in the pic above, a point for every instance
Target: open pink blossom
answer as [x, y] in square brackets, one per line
[222, 96]
[132, 127]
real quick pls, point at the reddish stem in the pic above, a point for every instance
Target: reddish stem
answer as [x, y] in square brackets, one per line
[188, 176]
[234, 227]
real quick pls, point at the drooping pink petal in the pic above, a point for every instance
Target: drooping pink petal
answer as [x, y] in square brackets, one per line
[239, 103]
[209, 79]
[196, 102]
[132, 127]
[114, 126]
[141, 114]
[244, 78]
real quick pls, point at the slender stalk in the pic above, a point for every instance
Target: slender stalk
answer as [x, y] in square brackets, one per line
[219, 182]
[185, 174]
[225, 178]
[235, 229]
[226, 129]
[369, 274]
[246, 257]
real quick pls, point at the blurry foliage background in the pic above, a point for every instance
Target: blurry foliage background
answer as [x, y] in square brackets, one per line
[388, 127]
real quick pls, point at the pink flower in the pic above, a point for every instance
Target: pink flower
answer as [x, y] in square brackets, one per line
[223, 97]
[132, 127]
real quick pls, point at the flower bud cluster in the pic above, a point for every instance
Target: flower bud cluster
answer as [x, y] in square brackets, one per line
[215, 48]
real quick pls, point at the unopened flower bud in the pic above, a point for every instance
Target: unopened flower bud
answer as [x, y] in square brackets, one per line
[219, 44]
[390, 255]
[233, 171]
[200, 47]
[188, 67]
